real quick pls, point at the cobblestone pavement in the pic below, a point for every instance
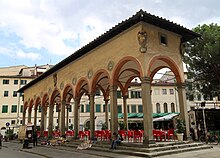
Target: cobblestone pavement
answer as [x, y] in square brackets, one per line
[57, 153]
[207, 153]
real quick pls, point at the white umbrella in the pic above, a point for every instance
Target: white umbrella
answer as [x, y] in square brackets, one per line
[166, 118]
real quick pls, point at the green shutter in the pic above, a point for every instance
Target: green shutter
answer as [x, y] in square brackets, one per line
[4, 108]
[13, 108]
[98, 107]
[21, 110]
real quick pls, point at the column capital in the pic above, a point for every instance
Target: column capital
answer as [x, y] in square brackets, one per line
[63, 102]
[106, 100]
[125, 96]
[113, 88]
[145, 80]
[92, 94]
[181, 85]
[76, 99]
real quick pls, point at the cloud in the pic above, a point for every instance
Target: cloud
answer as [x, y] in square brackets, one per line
[31, 55]
[62, 27]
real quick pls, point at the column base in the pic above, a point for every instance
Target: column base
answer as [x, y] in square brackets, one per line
[147, 142]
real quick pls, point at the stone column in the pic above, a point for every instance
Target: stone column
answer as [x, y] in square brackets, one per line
[23, 117]
[62, 122]
[92, 116]
[67, 115]
[29, 116]
[35, 118]
[183, 107]
[42, 125]
[58, 116]
[147, 110]
[50, 126]
[125, 111]
[76, 117]
[113, 109]
[45, 117]
[106, 113]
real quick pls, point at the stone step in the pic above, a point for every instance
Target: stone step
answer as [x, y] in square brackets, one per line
[141, 151]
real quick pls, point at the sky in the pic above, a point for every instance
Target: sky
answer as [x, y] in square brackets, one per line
[47, 31]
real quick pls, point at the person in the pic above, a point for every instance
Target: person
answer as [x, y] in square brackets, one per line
[1, 137]
[116, 139]
[35, 138]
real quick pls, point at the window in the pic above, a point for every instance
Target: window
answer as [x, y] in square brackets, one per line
[118, 94]
[135, 94]
[13, 108]
[82, 107]
[128, 108]
[23, 82]
[164, 91]
[5, 93]
[165, 108]
[21, 110]
[5, 81]
[109, 108]
[97, 92]
[39, 108]
[87, 108]
[4, 108]
[12, 122]
[15, 81]
[172, 107]
[70, 108]
[103, 106]
[171, 91]
[98, 107]
[119, 109]
[140, 108]
[163, 39]
[156, 91]
[133, 109]
[14, 93]
[20, 121]
[158, 107]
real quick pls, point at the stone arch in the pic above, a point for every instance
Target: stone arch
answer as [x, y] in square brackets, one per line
[171, 64]
[82, 87]
[101, 80]
[55, 97]
[67, 93]
[125, 71]
[37, 102]
[31, 104]
[25, 106]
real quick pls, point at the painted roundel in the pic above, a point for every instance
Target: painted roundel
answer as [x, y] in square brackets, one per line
[89, 74]
[49, 91]
[61, 86]
[110, 65]
[74, 80]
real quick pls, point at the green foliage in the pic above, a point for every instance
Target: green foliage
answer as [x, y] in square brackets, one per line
[202, 56]
[122, 125]
[104, 126]
[180, 125]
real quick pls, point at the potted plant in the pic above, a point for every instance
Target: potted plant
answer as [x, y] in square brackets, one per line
[180, 129]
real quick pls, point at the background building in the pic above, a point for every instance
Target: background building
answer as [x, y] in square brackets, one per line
[11, 103]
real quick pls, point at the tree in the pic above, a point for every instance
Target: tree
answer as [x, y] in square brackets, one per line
[202, 58]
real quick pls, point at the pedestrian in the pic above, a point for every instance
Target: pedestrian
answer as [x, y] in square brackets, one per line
[116, 139]
[1, 137]
[35, 138]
